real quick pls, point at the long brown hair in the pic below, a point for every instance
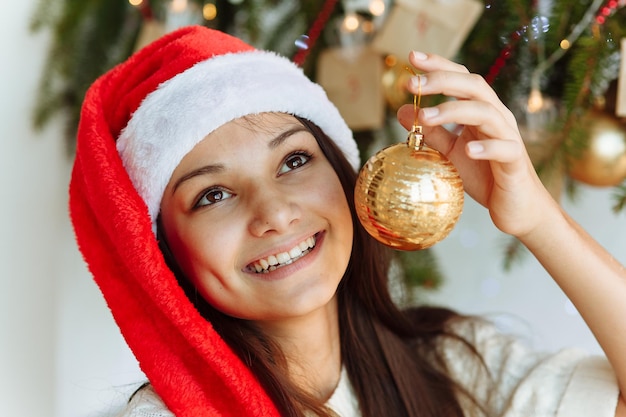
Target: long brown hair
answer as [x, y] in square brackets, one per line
[380, 343]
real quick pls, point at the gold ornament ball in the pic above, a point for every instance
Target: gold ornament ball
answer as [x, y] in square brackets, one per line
[394, 81]
[603, 162]
[409, 198]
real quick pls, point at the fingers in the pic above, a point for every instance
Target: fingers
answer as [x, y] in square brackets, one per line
[493, 144]
[406, 117]
[488, 121]
[504, 151]
[439, 137]
[461, 85]
[431, 62]
[442, 76]
[470, 113]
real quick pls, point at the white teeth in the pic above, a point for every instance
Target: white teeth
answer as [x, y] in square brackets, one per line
[283, 257]
[295, 252]
[273, 262]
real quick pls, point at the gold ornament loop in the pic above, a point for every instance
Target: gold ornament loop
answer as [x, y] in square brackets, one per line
[415, 139]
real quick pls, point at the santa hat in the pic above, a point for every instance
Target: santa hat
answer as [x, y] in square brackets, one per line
[137, 122]
[230, 80]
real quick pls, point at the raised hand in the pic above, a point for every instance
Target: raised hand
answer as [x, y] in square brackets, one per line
[488, 150]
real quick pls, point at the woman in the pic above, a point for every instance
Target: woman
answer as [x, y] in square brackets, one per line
[211, 197]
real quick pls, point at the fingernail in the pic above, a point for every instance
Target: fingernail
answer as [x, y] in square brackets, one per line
[475, 148]
[430, 112]
[420, 56]
[418, 81]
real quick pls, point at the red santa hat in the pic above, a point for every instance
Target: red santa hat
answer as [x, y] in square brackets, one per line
[230, 81]
[137, 122]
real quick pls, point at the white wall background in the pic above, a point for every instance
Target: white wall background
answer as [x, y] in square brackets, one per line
[60, 353]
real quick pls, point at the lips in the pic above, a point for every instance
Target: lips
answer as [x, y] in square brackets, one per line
[273, 262]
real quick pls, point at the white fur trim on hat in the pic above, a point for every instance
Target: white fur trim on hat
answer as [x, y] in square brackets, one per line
[185, 109]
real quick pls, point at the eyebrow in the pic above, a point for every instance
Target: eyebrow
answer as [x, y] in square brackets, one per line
[277, 141]
[213, 169]
[207, 169]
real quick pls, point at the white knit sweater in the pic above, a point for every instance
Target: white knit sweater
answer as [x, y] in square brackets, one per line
[516, 382]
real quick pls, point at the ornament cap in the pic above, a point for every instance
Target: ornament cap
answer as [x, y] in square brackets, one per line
[415, 139]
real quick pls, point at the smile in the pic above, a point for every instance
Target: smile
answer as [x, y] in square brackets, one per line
[273, 262]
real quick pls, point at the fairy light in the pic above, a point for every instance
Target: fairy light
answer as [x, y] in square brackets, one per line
[377, 7]
[535, 101]
[565, 44]
[367, 27]
[209, 11]
[144, 8]
[351, 22]
[391, 60]
[179, 6]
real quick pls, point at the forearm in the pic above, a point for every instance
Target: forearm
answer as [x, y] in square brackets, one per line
[593, 280]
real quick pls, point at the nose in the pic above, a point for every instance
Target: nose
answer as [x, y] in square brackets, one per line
[273, 210]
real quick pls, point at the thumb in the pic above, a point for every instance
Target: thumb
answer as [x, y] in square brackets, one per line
[406, 116]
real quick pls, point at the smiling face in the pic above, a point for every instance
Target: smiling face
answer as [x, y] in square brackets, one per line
[257, 219]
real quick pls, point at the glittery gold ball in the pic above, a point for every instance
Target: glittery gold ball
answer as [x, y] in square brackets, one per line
[394, 81]
[603, 162]
[409, 198]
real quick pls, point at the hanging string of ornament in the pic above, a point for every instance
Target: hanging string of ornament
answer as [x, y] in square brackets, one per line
[311, 37]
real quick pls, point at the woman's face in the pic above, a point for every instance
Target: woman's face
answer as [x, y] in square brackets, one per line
[257, 219]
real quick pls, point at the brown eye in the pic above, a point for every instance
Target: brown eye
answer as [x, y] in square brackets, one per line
[212, 196]
[294, 161]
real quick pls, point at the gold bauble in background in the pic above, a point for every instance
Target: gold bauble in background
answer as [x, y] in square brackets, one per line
[603, 162]
[409, 197]
[394, 81]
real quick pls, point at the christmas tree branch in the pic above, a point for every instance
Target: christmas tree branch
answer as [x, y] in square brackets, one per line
[570, 40]
[620, 198]
[514, 253]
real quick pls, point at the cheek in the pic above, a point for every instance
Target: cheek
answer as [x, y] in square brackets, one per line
[336, 205]
[207, 261]
[338, 198]
[202, 250]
